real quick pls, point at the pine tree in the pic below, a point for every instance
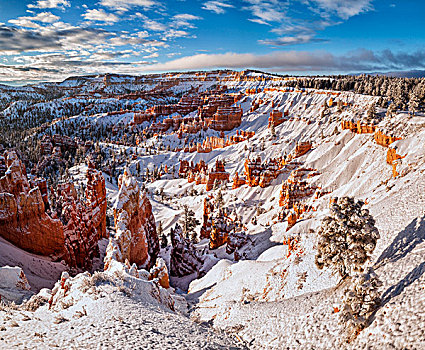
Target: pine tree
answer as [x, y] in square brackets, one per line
[371, 112]
[164, 241]
[360, 301]
[414, 102]
[188, 221]
[219, 199]
[392, 109]
[347, 237]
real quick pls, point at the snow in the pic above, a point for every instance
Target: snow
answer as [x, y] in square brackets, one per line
[107, 319]
[263, 300]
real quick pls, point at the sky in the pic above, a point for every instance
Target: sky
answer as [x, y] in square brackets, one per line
[50, 40]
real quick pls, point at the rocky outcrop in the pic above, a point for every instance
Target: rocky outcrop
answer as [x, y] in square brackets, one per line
[226, 118]
[14, 285]
[218, 174]
[302, 148]
[238, 181]
[220, 228]
[358, 127]
[277, 117]
[190, 169]
[96, 199]
[262, 174]
[73, 230]
[136, 239]
[383, 139]
[392, 159]
[160, 272]
[184, 258]
[213, 142]
[295, 188]
[23, 220]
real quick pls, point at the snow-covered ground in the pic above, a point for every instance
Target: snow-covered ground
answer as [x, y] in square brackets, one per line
[263, 300]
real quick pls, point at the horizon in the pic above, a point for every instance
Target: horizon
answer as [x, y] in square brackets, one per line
[52, 40]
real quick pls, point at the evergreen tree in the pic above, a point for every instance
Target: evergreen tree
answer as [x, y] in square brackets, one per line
[347, 237]
[360, 301]
[392, 109]
[371, 112]
[188, 221]
[164, 241]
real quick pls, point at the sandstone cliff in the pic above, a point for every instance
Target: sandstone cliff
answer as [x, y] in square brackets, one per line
[136, 238]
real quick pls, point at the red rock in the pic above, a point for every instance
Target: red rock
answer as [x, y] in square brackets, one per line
[135, 227]
[294, 189]
[277, 117]
[217, 174]
[226, 118]
[392, 159]
[160, 272]
[262, 174]
[26, 224]
[220, 229]
[238, 181]
[84, 222]
[302, 148]
[23, 220]
[384, 140]
[358, 128]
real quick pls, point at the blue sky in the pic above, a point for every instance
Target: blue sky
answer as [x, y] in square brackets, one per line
[52, 39]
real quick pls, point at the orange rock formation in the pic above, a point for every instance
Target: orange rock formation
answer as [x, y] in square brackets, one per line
[358, 128]
[26, 223]
[384, 140]
[136, 235]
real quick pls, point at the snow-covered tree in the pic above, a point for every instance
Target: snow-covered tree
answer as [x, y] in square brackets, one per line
[371, 112]
[347, 237]
[414, 102]
[188, 221]
[164, 241]
[361, 300]
[392, 109]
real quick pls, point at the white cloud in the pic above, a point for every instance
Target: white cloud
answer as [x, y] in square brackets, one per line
[186, 16]
[100, 16]
[345, 8]
[182, 20]
[267, 11]
[154, 26]
[291, 40]
[152, 55]
[297, 61]
[219, 7]
[125, 5]
[28, 21]
[50, 4]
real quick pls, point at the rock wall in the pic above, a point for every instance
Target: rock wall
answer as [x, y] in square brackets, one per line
[23, 220]
[277, 117]
[217, 174]
[136, 236]
[73, 230]
[294, 189]
[262, 174]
